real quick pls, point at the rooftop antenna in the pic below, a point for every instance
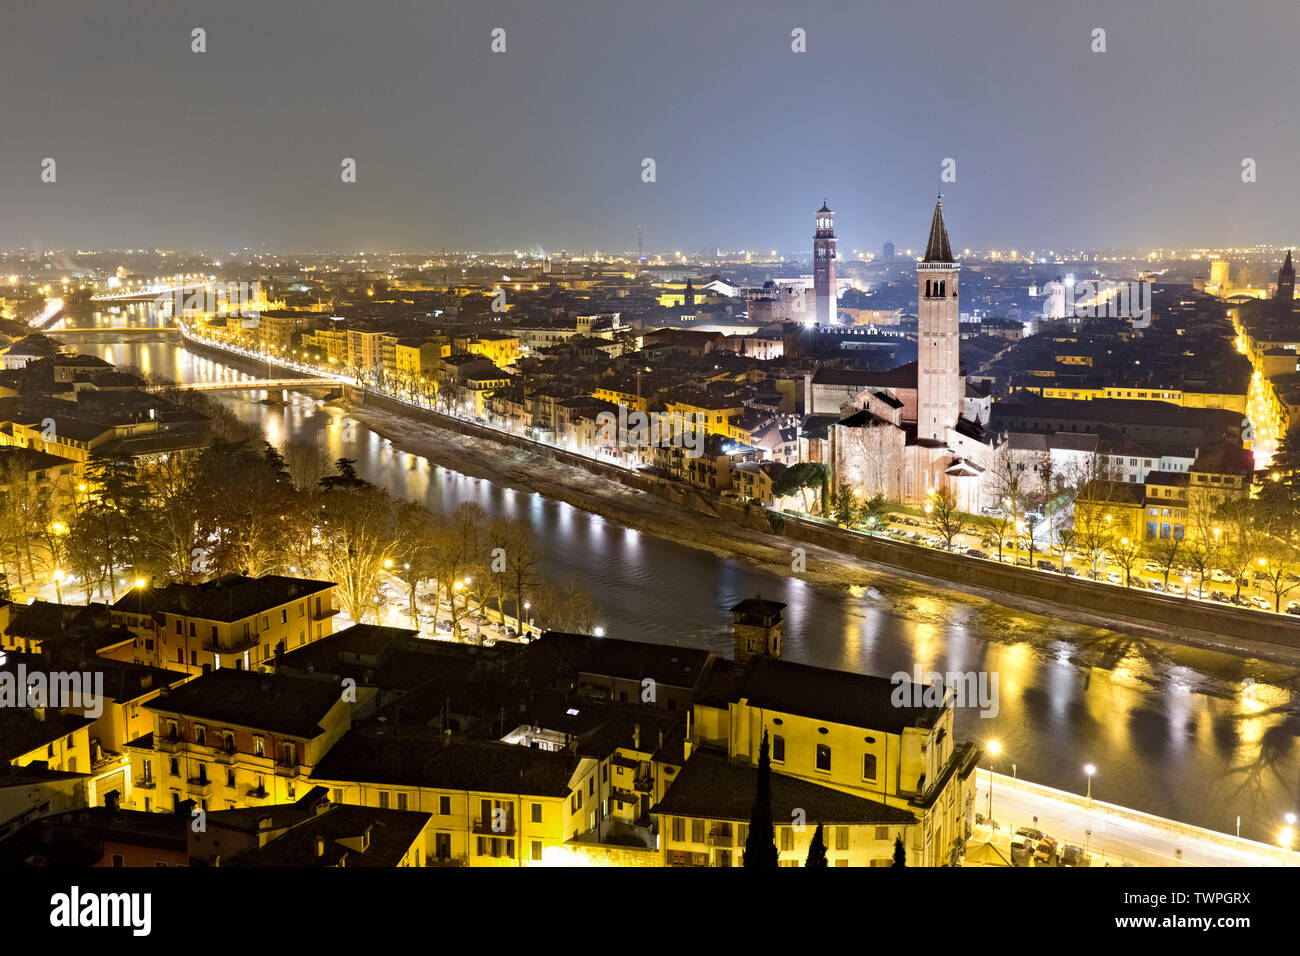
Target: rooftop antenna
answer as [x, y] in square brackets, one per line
[640, 256]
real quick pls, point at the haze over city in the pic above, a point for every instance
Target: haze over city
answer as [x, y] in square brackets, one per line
[541, 146]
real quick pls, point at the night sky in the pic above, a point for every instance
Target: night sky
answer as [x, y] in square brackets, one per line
[542, 146]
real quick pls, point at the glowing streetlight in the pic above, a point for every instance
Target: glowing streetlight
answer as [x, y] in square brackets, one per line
[1089, 769]
[994, 748]
[139, 582]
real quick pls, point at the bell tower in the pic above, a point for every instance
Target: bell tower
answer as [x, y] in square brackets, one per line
[1286, 280]
[939, 386]
[824, 255]
[757, 628]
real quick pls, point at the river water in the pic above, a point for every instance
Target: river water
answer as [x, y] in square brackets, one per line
[1191, 734]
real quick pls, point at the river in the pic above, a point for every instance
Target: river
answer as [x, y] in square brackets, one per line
[1192, 734]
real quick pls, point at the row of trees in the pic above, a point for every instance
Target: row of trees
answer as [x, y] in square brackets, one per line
[240, 508]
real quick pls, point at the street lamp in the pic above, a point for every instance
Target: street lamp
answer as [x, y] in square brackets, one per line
[995, 748]
[58, 585]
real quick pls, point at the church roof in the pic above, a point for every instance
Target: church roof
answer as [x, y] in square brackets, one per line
[1287, 267]
[825, 208]
[937, 249]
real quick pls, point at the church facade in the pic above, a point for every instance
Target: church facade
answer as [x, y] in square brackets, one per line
[913, 430]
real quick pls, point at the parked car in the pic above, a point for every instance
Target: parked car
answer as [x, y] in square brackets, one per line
[1072, 855]
[1114, 577]
[1220, 576]
[1045, 855]
[1034, 835]
[1152, 568]
[1175, 587]
[1073, 572]
[1137, 583]
[1023, 562]
[976, 553]
[1293, 608]
[1156, 586]
[1046, 566]
[1022, 850]
[911, 522]
[1220, 597]
[1263, 603]
[444, 626]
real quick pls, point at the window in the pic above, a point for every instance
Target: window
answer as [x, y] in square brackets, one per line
[536, 813]
[697, 831]
[841, 838]
[778, 748]
[401, 801]
[338, 795]
[537, 851]
[175, 767]
[678, 829]
[444, 806]
[259, 747]
[284, 615]
[117, 860]
[787, 838]
[882, 833]
[823, 758]
[383, 799]
[868, 766]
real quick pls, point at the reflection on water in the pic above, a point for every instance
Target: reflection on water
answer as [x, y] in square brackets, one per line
[1174, 731]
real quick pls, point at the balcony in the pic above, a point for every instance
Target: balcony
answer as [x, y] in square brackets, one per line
[720, 836]
[283, 769]
[257, 793]
[167, 745]
[445, 861]
[225, 756]
[644, 783]
[484, 828]
[323, 614]
[199, 786]
[145, 783]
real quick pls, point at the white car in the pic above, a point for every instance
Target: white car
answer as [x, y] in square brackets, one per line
[1263, 603]
[1220, 576]
[1114, 577]
[1175, 588]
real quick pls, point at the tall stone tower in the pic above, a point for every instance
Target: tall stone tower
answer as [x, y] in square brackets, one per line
[824, 256]
[1286, 280]
[757, 628]
[939, 386]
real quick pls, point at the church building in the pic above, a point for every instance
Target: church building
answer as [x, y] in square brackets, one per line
[910, 431]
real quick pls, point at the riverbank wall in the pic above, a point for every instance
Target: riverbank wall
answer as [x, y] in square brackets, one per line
[1226, 628]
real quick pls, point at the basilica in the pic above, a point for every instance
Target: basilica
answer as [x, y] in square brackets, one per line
[910, 431]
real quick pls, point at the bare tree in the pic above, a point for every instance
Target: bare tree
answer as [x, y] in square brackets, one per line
[942, 515]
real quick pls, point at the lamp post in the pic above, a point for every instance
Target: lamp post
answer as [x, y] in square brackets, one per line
[1089, 769]
[995, 748]
[58, 585]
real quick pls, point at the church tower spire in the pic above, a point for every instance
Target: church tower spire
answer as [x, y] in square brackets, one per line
[1286, 280]
[939, 386]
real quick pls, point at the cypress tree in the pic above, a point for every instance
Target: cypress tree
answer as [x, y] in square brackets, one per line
[817, 849]
[900, 855]
[760, 844]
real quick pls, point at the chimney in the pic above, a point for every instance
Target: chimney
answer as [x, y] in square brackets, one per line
[636, 737]
[320, 846]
